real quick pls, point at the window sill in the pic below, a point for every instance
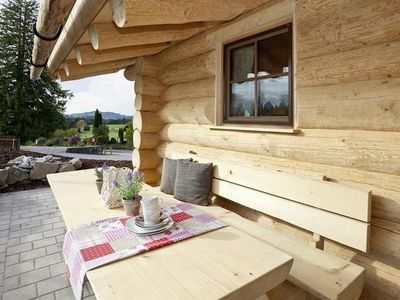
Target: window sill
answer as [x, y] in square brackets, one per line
[272, 129]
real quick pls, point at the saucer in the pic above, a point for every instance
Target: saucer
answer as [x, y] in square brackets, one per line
[162, 221]
[166, 224]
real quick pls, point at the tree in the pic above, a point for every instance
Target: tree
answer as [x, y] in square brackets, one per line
[97, 121]
[121, 135]
[81, 124]
[28, 109]
[129, 133]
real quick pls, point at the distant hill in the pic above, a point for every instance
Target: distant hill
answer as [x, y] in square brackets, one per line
[107, 115]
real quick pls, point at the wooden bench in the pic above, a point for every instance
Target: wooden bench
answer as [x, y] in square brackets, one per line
[327, 209]
[222, 264]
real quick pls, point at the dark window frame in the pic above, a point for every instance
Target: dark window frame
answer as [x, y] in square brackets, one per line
[254, 39]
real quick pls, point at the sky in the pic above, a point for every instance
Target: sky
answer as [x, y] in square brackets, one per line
[111, 92]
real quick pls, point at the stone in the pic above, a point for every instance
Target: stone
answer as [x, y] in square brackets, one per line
[15, 175]
[76, 162]
[66, 168]
[3, 176]
[28, 160]
[22, 169]
[25, 165]
[41, 169]
[16, 160]
[48, 158]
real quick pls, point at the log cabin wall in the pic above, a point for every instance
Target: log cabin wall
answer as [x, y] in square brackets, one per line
[347, 112]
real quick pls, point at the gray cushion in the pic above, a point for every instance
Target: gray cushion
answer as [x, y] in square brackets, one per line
[168, 175]
[193, 182]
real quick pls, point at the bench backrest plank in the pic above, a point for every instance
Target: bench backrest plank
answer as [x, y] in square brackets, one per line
[330, 196]
[332, 210]
[345, 230]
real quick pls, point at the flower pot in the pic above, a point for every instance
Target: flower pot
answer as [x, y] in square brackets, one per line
[132, 207]
[99, 184]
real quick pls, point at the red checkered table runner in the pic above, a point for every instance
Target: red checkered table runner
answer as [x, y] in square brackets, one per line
[104, 241]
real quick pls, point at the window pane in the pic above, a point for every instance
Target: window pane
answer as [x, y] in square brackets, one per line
[274, 55]
[273, 96]
[242, 62]
[242, 99]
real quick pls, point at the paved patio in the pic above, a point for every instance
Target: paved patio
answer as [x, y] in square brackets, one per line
[31, 236]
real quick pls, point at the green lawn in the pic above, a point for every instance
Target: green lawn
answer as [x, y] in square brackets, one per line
[113, 131]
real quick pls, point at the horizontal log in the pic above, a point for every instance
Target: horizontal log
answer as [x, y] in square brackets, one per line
[147, 122]
[375, 102]
[49, 20]
[72, 68]
[145, 102]
[192, 69]
[130, 73]
[148, 66]
[186, 49]
[145, 141]
[128, 13]
[146, 159]
[365, 150]
[190, 90]
[385, 187]
[151, 176]
[86, 55]
[192, 111]
[82, 13]
[108, 36]
[318, 35]
[148, 85]
[378, 62]
[62, 76]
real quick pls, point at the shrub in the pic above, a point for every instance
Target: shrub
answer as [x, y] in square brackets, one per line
[59, 133]
[102, 140]
[40, 141]
[86, 141]
[86, 128]
[74, 140]
[54, 142]
[113, 141]
[129, 133]
[102, 130]
[72, 131]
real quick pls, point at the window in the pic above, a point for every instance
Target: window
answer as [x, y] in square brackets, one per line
[258, 79]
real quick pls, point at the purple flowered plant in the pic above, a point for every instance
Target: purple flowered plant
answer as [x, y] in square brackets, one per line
[100, 172]
[131, 186]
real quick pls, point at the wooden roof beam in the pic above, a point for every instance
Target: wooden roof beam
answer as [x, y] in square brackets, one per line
[107, 35]
[82, 14]
[128, 13]
[62, 76]
[86, 55]
[73, 69]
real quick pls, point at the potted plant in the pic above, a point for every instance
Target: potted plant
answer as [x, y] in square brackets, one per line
[129, 190]
[100, 173]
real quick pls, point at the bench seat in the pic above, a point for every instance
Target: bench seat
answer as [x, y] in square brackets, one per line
[321, 274]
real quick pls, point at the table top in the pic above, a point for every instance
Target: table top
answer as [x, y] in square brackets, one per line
[226, 263]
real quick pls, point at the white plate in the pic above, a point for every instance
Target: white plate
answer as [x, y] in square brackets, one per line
[131, 225]
[164, 220]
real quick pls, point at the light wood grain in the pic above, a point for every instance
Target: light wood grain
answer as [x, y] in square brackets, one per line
[145, 159]
[128, 13]
[192, 274]
[190, 90]
[144, 102]
[74, 69]
[86, 55]
[344, 230]
[80, 17]
[148, 85]
[192, 69]
[108, 36]
[147, 122]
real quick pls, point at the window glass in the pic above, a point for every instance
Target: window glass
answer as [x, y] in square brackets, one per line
[273, 55]
[273, 96]
[242, 63]
[242, 99]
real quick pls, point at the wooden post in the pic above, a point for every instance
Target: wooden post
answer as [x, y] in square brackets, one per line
[146, 121]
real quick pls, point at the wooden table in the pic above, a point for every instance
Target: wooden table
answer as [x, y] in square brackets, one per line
[225, 263]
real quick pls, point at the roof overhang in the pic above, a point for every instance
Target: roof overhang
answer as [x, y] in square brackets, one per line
[100, 36]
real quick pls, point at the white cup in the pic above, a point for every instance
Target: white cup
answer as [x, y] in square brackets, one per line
[151, 206]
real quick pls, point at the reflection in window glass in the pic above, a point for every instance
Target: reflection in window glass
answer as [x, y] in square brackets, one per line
[273, 54]
[242, 63]
[242, 99]
[273, 96]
